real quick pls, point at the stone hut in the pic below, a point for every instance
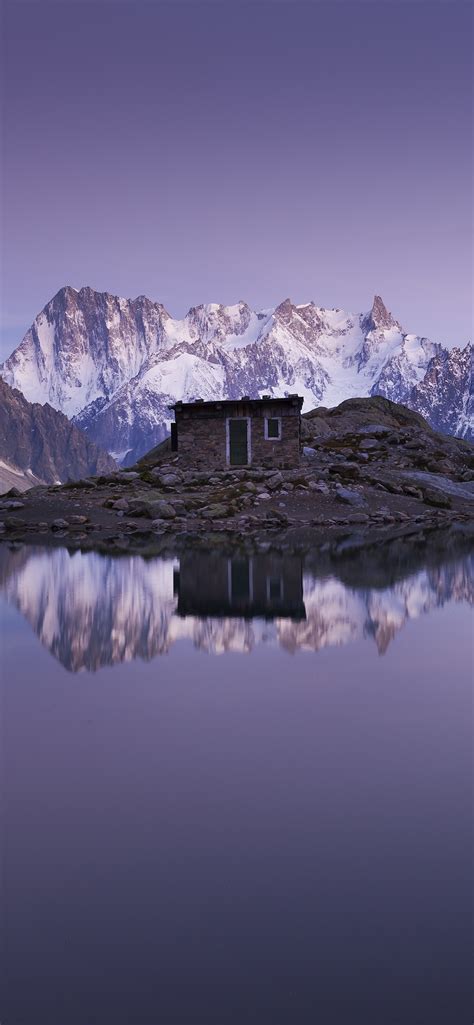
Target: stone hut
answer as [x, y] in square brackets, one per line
[239, 432]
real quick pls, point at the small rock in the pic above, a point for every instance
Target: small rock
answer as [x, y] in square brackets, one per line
[274, 482]
[437, 498]
[412, 491]
[121, 503]
[178, 506]
[12, 503]
[276, 515]
[345, 469]
[393, 488]
[59, 524]
[170, 480]
[161, 510]
[215, 512]
[14, 523]
[320, 486]
[158, 524]
[77, 520]
[348, 496]
[138, 507]
[376, 429]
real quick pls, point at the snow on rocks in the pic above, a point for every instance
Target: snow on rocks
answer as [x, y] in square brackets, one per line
[116, 365]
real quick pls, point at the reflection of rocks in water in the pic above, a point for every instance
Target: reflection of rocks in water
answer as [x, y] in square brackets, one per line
[337, 614]
[91, 611]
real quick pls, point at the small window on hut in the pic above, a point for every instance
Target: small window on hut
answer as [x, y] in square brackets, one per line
[273, 428]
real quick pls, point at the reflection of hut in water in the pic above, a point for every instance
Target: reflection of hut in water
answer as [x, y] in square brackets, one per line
[263, 586]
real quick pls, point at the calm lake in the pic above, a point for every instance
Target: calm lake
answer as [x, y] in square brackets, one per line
[236, 789]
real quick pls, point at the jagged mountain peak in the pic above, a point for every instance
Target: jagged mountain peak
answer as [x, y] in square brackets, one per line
[380, 317]
[66, 290]
[284, 307]
[87, 294]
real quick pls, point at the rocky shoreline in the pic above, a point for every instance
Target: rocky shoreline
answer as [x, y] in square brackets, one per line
[370, 471]
[284, 510]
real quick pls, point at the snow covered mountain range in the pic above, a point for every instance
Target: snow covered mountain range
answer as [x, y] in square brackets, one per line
[115, 365]
[90, 611]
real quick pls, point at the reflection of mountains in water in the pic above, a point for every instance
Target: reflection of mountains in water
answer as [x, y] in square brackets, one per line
[90, 610]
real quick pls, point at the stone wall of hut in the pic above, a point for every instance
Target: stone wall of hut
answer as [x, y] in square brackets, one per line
[202, 439]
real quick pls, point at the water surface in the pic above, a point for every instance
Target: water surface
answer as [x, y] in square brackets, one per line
[278, 834]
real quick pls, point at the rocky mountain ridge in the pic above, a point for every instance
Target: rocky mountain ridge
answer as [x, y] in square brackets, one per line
[40, 445]
[115, 365]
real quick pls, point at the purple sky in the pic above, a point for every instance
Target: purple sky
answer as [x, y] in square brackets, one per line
[202, 152]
